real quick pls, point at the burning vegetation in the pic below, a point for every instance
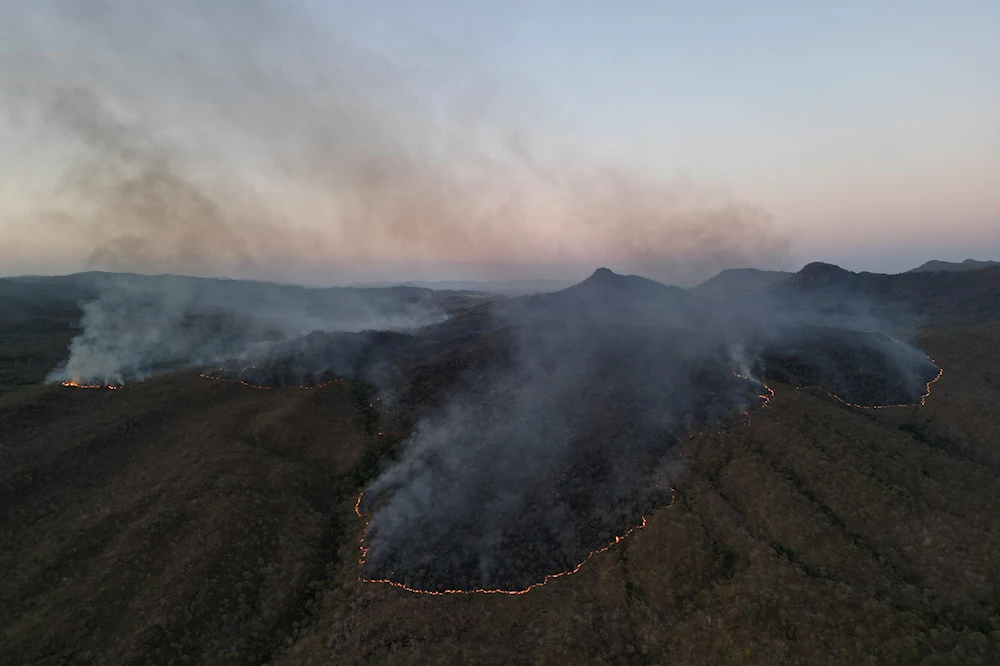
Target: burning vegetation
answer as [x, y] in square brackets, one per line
[72, 384]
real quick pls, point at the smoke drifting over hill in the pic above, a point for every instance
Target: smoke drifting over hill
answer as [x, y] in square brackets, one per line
[536, 428]
[559, 432]
[141, 325]
[561, 440]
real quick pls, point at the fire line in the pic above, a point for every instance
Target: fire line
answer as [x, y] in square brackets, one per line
[766, 396]
[72, 384]
[923, 398]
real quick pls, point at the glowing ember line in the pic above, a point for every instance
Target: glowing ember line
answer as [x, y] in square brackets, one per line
[206, 375]
[440, 593]
[766, 397]
[923, 398]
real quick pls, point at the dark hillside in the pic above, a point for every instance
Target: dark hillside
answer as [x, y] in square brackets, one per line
[929, 297]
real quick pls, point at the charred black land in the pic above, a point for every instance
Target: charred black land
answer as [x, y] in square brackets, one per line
[542, 453]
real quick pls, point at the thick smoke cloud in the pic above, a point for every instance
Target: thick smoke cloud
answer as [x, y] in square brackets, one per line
[272, 140]
[544, 452]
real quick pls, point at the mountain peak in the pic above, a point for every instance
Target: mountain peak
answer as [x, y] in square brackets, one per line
[820, 267]
[817, 275]
[605, 278]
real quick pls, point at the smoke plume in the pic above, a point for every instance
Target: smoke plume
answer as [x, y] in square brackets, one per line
[140, 325]
[253, 139]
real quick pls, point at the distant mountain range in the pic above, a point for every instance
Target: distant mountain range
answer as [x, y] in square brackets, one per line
[521, 287]
[937, 291]
[967, 265]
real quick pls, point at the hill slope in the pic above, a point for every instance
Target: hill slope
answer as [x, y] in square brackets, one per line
[180, 519]
[185, 519]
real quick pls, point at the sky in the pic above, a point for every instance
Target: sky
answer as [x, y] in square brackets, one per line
[326, 142]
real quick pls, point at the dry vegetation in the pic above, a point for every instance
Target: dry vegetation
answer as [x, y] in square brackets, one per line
[178, 519]
[184, 520]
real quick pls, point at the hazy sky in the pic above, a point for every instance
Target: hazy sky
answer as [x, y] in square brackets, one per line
[325, 141]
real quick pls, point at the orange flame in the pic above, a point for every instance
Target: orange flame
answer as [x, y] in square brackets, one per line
[766, 397]
[72, 384]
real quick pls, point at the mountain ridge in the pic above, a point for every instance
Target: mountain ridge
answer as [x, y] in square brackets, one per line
[935, 265]
[943, 297]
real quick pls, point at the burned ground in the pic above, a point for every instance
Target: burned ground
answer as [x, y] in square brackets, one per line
[861, 368]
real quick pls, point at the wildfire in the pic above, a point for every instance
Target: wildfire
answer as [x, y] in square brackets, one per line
[766, 397]
[364, 554]
[923, 398]
[72, 384]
